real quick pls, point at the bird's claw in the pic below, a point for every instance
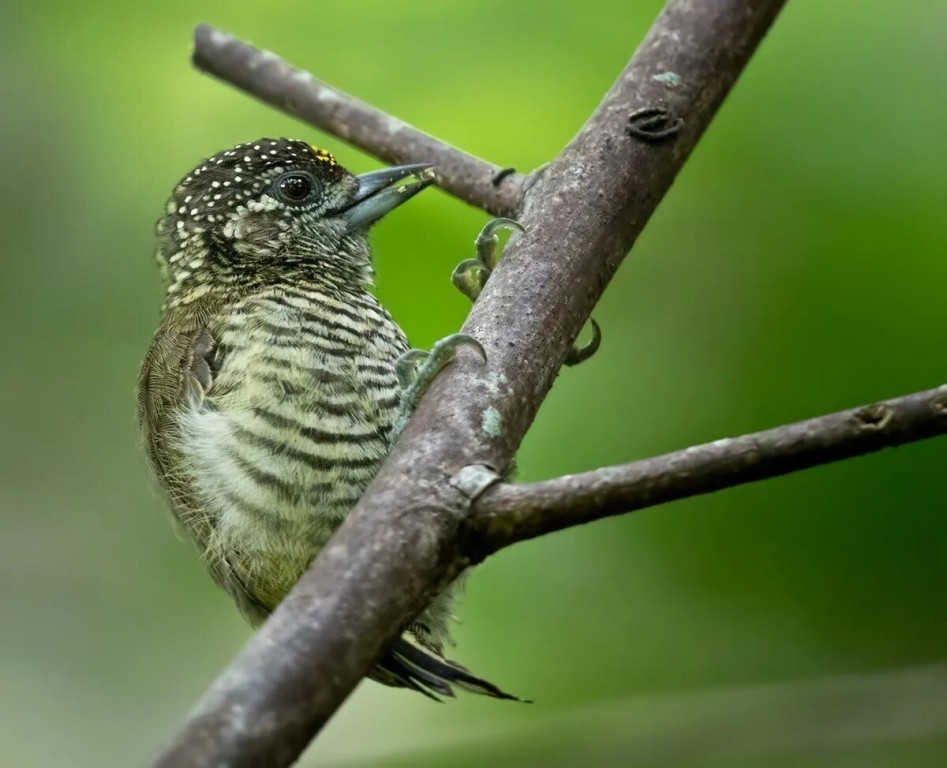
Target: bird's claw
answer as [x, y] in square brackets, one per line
[579, 354]
[471, 275]
[407, 365]
[417, 369]
[486, 242]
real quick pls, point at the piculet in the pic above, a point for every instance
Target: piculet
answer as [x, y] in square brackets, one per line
[276, 381]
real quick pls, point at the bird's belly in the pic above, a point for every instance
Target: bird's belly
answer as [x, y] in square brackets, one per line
[280, 450]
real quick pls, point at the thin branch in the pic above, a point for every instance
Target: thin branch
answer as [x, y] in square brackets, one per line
[269, 78]
[506, 514]
[400, 543]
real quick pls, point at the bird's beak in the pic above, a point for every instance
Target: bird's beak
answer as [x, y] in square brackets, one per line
[378, 195]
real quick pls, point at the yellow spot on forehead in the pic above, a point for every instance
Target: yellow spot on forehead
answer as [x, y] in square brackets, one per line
[324, 155]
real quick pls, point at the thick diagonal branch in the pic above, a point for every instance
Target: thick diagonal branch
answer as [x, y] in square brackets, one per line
[401, 542]
[269, 78]
[506, 514]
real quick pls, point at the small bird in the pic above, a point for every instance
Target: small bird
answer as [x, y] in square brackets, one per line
[276, 381]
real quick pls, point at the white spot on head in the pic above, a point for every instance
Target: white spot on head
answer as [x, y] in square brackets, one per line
[265, 203]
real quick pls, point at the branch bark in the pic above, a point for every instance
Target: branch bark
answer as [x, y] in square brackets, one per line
[295, 91]
[506, 514]
[401, 542]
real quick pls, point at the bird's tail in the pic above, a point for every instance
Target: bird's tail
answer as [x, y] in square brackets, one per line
[410, 666]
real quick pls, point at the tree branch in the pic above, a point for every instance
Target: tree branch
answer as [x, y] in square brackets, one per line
[400, 544]
[506, 514]
[269, 78]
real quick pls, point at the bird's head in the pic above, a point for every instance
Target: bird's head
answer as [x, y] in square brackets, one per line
[275, 209]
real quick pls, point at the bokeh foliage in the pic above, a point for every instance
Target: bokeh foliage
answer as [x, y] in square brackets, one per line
[797, 267]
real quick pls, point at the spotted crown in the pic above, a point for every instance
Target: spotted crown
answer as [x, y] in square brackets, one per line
[238, 176]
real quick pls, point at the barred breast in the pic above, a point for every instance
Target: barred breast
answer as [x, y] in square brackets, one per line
[292, 429]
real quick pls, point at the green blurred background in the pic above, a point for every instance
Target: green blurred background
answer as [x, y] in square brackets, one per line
[797, 267]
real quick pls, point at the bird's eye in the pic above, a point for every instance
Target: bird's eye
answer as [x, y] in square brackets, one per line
[296, 188]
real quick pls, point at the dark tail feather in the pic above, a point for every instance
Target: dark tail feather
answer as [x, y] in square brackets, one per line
[411, 666]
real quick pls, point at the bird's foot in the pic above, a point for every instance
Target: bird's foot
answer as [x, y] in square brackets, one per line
[417, 368]
[471, 275]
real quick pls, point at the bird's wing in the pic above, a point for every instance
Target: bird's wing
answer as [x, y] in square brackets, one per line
[176, 368]
[179, 367]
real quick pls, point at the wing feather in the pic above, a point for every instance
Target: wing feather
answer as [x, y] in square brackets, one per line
[178, 368]
[174, 372]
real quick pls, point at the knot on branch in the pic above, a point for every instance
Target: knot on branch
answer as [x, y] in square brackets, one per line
[875, 416]
[939, 404]
[653, 124]
[500, 175]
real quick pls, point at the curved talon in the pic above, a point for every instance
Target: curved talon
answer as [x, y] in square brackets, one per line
[583, 353]
[490, 228]
[469, 277]
[486, 242]
[445, 348]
